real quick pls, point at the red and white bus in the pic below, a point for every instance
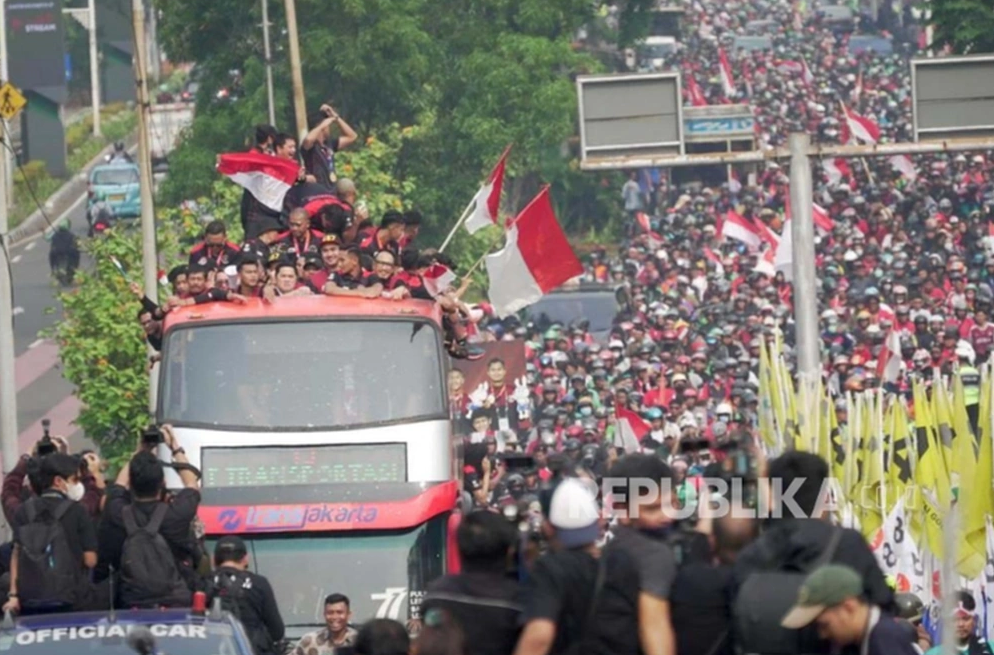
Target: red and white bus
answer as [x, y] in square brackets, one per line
[322, 431]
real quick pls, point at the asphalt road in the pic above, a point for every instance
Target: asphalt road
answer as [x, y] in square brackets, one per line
[41, 390]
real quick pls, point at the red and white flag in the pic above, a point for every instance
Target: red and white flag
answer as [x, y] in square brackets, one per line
[266, 177]
[487, 199]
[742, 229]
[806, 75]
[765, 263]
[438, 278]
[819, 216]
[631, 430]
[783, 259]
[694, 93]
[889, 360]
[536, 259]
[860, 127]
[906, 167]
[836, 170]
[655, 241]
[725, 70]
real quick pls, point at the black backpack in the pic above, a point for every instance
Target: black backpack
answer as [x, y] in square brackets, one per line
[232, 588]
[149, 575]
[48, 572]
[763, 601]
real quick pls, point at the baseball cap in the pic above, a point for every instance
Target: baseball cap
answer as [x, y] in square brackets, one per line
[826, 587]
[230, 548]
[573, 513]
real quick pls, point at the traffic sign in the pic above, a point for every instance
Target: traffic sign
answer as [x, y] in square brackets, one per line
[12, 101]
[629, 116]
[953, 97]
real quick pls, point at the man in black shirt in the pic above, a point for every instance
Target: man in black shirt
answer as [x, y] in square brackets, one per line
[318, 149]
[141, 484]
[482, 599]
[215, 250]
[248, 595]
[348, 280]
[260, 247]
[58, 475]
[578, 598]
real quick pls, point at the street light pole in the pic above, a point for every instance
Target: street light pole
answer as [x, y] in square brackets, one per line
[803, 256]
[299, 108]
[7, 179]
[269, 61]
[94, 68]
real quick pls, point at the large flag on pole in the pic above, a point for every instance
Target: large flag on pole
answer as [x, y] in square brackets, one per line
[536, 259]
[266, 177]
[631, 430]
[725, 70]
[694, 93]
[487, 199]
[860, 127]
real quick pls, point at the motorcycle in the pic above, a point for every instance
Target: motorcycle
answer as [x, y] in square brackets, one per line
[101, 218]
[63, 256]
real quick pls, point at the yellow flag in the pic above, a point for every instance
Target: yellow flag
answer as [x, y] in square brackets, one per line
[767, 427]
[963, 476]
[872, 467]
[978, 499]
[932, 495]
[899, 456]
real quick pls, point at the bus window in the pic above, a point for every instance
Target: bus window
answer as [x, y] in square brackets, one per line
[302, 374]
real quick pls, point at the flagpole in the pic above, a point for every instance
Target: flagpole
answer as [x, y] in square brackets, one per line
[462, 219]
[866, 166]
[476, 265]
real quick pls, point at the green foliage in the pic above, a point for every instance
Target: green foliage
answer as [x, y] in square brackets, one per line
[375, 169]
[102, 346]
[966, 25]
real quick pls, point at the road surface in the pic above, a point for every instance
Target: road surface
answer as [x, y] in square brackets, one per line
[41, 390]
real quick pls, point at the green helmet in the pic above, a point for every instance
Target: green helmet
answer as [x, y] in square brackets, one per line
[909, 606]
[551, 333]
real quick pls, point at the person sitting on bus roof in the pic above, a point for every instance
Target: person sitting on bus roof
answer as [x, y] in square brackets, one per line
[300, 239]
[215, 249]
[286, 283]
[412, 226]
[337, 632]
[201, 292]
[307, 267]
[414, 265]
[349, 280]
[331, 250]
[250, 278]
[259, 247]
[387, 237]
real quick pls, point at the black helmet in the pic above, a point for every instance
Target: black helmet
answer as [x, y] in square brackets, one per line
[119, 146]
[909, 606]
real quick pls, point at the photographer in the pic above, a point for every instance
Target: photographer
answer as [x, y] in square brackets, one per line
[139, 499]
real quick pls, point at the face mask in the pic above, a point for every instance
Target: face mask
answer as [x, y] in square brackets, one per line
[75, 491]
[586, 411]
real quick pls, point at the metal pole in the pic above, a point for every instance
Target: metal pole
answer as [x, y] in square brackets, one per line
[153, 43]
[8, 157]
[94, 68]
[299, 108]
[803, 257]
[150, 260]
[8, 392]
[949, 585]
[269, 61]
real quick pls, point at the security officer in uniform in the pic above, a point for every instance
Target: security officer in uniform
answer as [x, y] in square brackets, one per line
[971, 383]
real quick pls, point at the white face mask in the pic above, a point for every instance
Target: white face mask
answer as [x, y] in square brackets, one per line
[75, 491]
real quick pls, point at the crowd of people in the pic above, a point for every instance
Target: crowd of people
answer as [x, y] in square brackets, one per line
[905, 254]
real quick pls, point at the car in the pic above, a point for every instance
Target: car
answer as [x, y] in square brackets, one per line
[172, 631]
[751, 43]
[118, 186]
[595, 302]
[838, 18]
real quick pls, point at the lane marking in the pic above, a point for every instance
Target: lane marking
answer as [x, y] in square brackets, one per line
[31, 246]
[41, 356]
[15, 259]
[18, 311]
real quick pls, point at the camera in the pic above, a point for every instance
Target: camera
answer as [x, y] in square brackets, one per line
[45, 445]
[152, 437]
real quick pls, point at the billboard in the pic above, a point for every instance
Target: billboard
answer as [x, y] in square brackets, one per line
[36, 43]
[953, 97]
[637, 115]
[718, 123]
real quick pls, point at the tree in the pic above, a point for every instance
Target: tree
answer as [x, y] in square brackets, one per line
[965, 25]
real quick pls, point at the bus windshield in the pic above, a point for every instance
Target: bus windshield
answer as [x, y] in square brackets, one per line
[302, 374]
[382, 573]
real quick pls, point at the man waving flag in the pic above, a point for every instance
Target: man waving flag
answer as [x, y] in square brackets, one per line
[860, 127]
[266, 177]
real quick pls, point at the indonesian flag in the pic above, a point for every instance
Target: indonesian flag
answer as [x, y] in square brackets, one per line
[266, 177]
[821, 218]
[631, 430]
[438, 278]
[765, 263]
[741, 229]
[694, 93]
[725, 70]
[836, 170]
[655, 241]
[536, 259]
[861, 128]
[889, 360]
[487, 199]
[806, 75]
[904, 165]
